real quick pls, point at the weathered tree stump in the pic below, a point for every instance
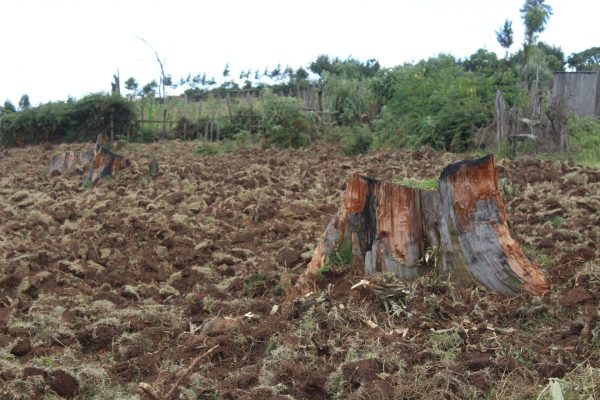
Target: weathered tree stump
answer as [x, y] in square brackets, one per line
[70, 160]
[153, 167]
[104, 164]
[99, 160]
[462, 226]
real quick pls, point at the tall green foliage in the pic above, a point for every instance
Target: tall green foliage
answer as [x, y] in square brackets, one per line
[283, 122]
[587, 60]
[439, 102]
[67, 121]
[535, 14]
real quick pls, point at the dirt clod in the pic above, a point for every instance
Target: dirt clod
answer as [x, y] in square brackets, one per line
[575, 296]
[63, 383]
[22, 347]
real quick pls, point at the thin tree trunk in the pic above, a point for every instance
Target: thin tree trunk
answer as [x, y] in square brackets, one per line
[112, 126]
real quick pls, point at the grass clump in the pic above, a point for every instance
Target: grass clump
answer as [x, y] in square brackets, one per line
[585, 140]
[447, 345]
[208, 148]
[423, 184]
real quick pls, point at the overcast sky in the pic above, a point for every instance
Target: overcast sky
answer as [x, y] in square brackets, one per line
[54, 49]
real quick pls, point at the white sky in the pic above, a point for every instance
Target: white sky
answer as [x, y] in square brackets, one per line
[52, 49]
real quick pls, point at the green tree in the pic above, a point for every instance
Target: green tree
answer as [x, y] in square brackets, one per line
[587, 60]
[24, 103]
[320, 65]
[8, 107]
[482, 61]
[504, 36]
[553, 56]
[131, 86]
[149, 89]
[535, 14]
[439, 102]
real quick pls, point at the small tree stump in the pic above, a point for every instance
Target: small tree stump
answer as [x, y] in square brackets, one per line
[462, 225]
[70, 160]
[105, 163]
[153, 167]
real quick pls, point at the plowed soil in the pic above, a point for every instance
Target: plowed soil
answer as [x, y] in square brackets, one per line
[129, 281]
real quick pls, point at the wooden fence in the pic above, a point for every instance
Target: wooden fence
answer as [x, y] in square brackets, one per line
[178, 115]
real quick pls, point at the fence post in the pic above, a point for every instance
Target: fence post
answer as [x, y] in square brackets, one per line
[228, 101]
[185, 115]
[164, 132]
[112, 126]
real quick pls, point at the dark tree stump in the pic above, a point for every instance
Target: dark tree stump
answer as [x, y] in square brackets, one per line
[462, 226]
[105, 163]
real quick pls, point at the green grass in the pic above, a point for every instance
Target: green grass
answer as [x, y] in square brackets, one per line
[343, 254]
[207, 148]
[423, 184]
[585, 140]
[447, 345]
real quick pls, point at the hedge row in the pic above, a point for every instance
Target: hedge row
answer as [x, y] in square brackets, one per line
[68, 121]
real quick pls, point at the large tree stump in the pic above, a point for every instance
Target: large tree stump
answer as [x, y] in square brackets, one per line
[462, 225]
[70, 160]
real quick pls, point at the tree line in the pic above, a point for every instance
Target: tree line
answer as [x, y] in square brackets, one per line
[442, 101]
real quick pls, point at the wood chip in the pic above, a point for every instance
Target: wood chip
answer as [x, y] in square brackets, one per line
[371, 324]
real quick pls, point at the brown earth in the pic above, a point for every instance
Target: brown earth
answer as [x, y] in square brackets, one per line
[103, 288]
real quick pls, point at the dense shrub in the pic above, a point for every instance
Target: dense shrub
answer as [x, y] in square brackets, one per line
[67, 121]
[437, 102]
[283, 122]
[351, 99]
[585, 140]
[244, 119]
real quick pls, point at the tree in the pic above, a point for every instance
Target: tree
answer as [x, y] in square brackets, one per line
[24, 103]
[320, 65]
[482, 61]
[131, 85]
[553, 56]
[535, 14]
[149, 89]
[8, 107]
[587, 60]
[161, 63]
[504, 36]
[301, 74]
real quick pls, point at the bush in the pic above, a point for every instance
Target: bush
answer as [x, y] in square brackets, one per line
[357, 141]
[437, 102]
[244, 119]
[283, 122]
[585, 140]
[208, 148]
[351, 99]
[67, 121]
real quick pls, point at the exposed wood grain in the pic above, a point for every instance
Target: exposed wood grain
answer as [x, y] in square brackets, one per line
[463, 224]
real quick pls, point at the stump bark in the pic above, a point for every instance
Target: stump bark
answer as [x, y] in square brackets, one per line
[70, 160]
[105, 163]
[462, 226]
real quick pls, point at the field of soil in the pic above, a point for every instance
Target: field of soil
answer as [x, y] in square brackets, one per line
[130, 281]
